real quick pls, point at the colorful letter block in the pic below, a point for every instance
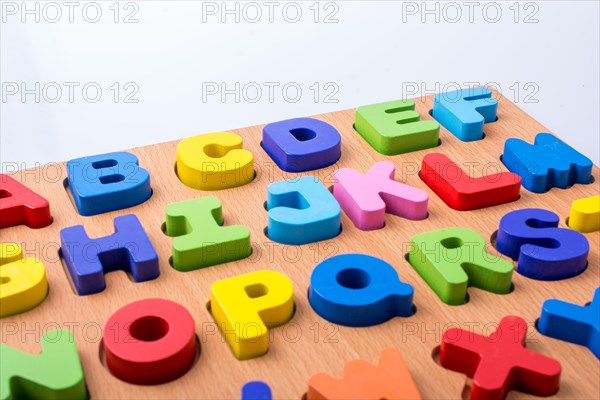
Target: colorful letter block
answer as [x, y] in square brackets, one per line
[201, 240]
[452, 259]
[245, 306]
[547, 163]
[22, 281]
[463, 192]
[302, 144]
[302, 211]
[573, 323]
[19, 205]
[394, 127]
[56, 373]
[149, 342]
[214, 161]
[499, 362]
[128, 249]
[256, 390]
[463, 112]
[391, 379]
[585, 215]
[366, 198]
[107, 182]
[543, 251]
[358, 290]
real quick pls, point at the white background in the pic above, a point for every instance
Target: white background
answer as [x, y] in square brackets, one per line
[543, 55]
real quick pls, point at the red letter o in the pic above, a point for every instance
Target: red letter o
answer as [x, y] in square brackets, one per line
[149, 342]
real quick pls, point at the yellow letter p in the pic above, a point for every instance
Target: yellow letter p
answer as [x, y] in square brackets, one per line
[245, 306]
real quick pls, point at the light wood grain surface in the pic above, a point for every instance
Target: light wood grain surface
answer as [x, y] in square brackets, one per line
[307, 344]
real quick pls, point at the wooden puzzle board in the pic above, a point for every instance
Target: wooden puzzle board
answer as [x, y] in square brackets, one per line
[307, 344]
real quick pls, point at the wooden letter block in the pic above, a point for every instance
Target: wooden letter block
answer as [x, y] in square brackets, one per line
[391, 379]
[245, 306]
[499, 362]
[214, 161]
[200, 240]
[452, 259]
[23, 281]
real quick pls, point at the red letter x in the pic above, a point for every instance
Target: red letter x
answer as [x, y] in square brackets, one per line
[499, 362]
